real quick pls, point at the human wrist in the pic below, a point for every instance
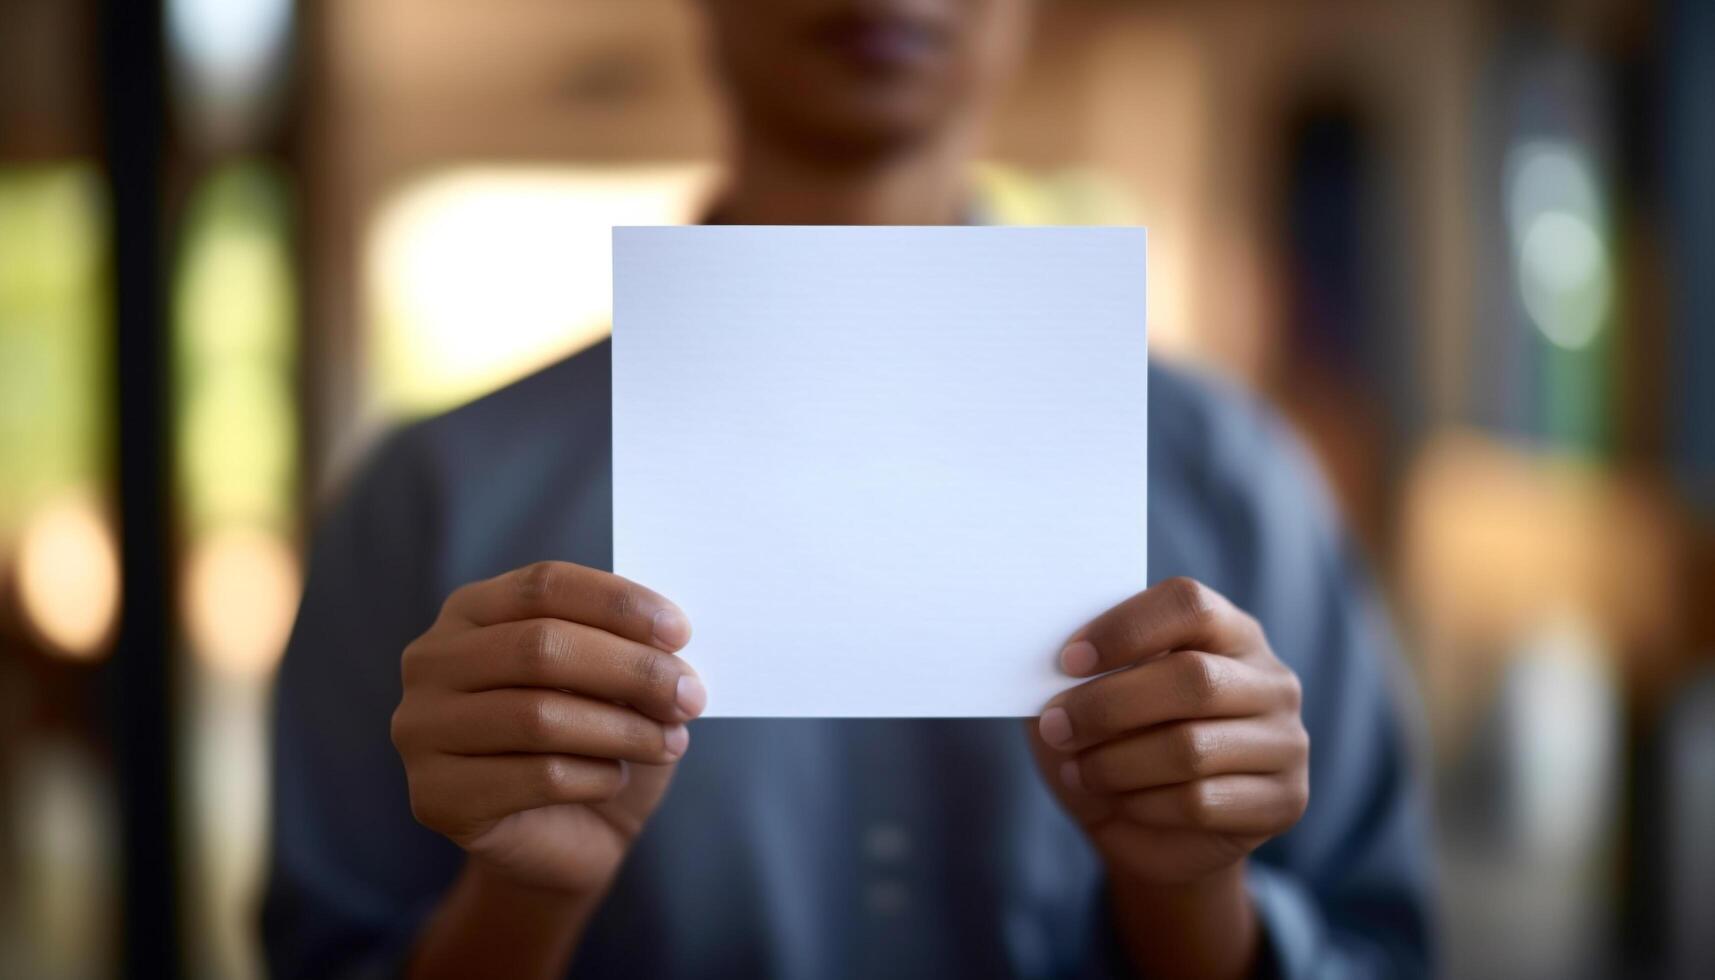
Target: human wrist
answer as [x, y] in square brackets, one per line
[496, 887]
[491, 923]
[1203, 927]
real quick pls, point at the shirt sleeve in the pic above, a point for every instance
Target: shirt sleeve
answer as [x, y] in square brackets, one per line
[351, 873]
[1347, 892]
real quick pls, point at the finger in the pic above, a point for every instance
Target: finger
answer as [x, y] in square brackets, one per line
[576, 594]
[461, 795]
[1087, 809]
[1181, 686]
[1177, 614]
[533, 720]
[553, 653]
[1185, 751]
[1236, 804]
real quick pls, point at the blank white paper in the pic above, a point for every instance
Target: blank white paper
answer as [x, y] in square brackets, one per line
[884, 471]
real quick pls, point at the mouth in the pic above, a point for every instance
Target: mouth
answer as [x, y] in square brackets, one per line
[880, 43]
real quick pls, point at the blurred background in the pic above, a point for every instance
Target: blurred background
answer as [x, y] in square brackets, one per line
[1468, 247]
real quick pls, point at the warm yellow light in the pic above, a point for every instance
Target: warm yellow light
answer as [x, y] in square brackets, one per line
[68, 576]
[1498, 539]
[479, 276]
[240, 594]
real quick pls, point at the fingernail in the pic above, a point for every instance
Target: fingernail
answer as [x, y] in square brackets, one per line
[1070, 776]
[671, 629]
[677, 738]
[1078, 658]
[1056, 727]
[624, 774]
[691, 696]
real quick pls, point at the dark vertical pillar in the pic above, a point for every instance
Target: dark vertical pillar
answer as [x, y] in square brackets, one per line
[315, 257]
[134, 130]
[1688, 153]
[1687, 782]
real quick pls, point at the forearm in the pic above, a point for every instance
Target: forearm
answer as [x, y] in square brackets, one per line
[488, 926]
[1204, 929]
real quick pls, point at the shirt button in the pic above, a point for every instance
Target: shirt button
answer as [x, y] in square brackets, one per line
[886, 843]
[887, 897]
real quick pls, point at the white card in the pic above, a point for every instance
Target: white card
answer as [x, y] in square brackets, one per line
[886, 472]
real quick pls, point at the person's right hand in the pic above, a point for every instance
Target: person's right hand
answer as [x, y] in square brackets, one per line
[542, 717]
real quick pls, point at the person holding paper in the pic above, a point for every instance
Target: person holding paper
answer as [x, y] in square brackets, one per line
[556, 810]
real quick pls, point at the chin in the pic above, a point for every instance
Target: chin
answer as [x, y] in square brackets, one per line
[863, 125]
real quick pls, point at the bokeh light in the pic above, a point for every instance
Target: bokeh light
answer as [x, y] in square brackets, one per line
[1565, 274]
[64, 832]
[228, 52]
[476, 277]
[235, 355]
[241, 589]
[1566, 730]
[54, 406]
[228, 38]
[68, 576]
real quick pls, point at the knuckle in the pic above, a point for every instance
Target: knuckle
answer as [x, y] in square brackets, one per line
[1298, 796]
[397, 728]
[537, 720]
[536, 581]
[568, 780]
[458, 596]
[1193, 599]
[1192, 750]
[623, 602]
[1129, 635]
[411, 664]
[652, 673]
[645, 739]
[540, 646]
[1285, 687]
[1253, 627]
[557, 778]
[1293, 690]
[1203, 802]
[610, 781]
[1198, 678]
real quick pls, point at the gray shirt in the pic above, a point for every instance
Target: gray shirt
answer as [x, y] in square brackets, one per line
[829, 848]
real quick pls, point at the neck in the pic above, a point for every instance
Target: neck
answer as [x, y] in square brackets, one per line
[924, 185]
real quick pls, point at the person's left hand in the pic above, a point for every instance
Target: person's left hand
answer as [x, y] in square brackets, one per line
[1190, 753]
